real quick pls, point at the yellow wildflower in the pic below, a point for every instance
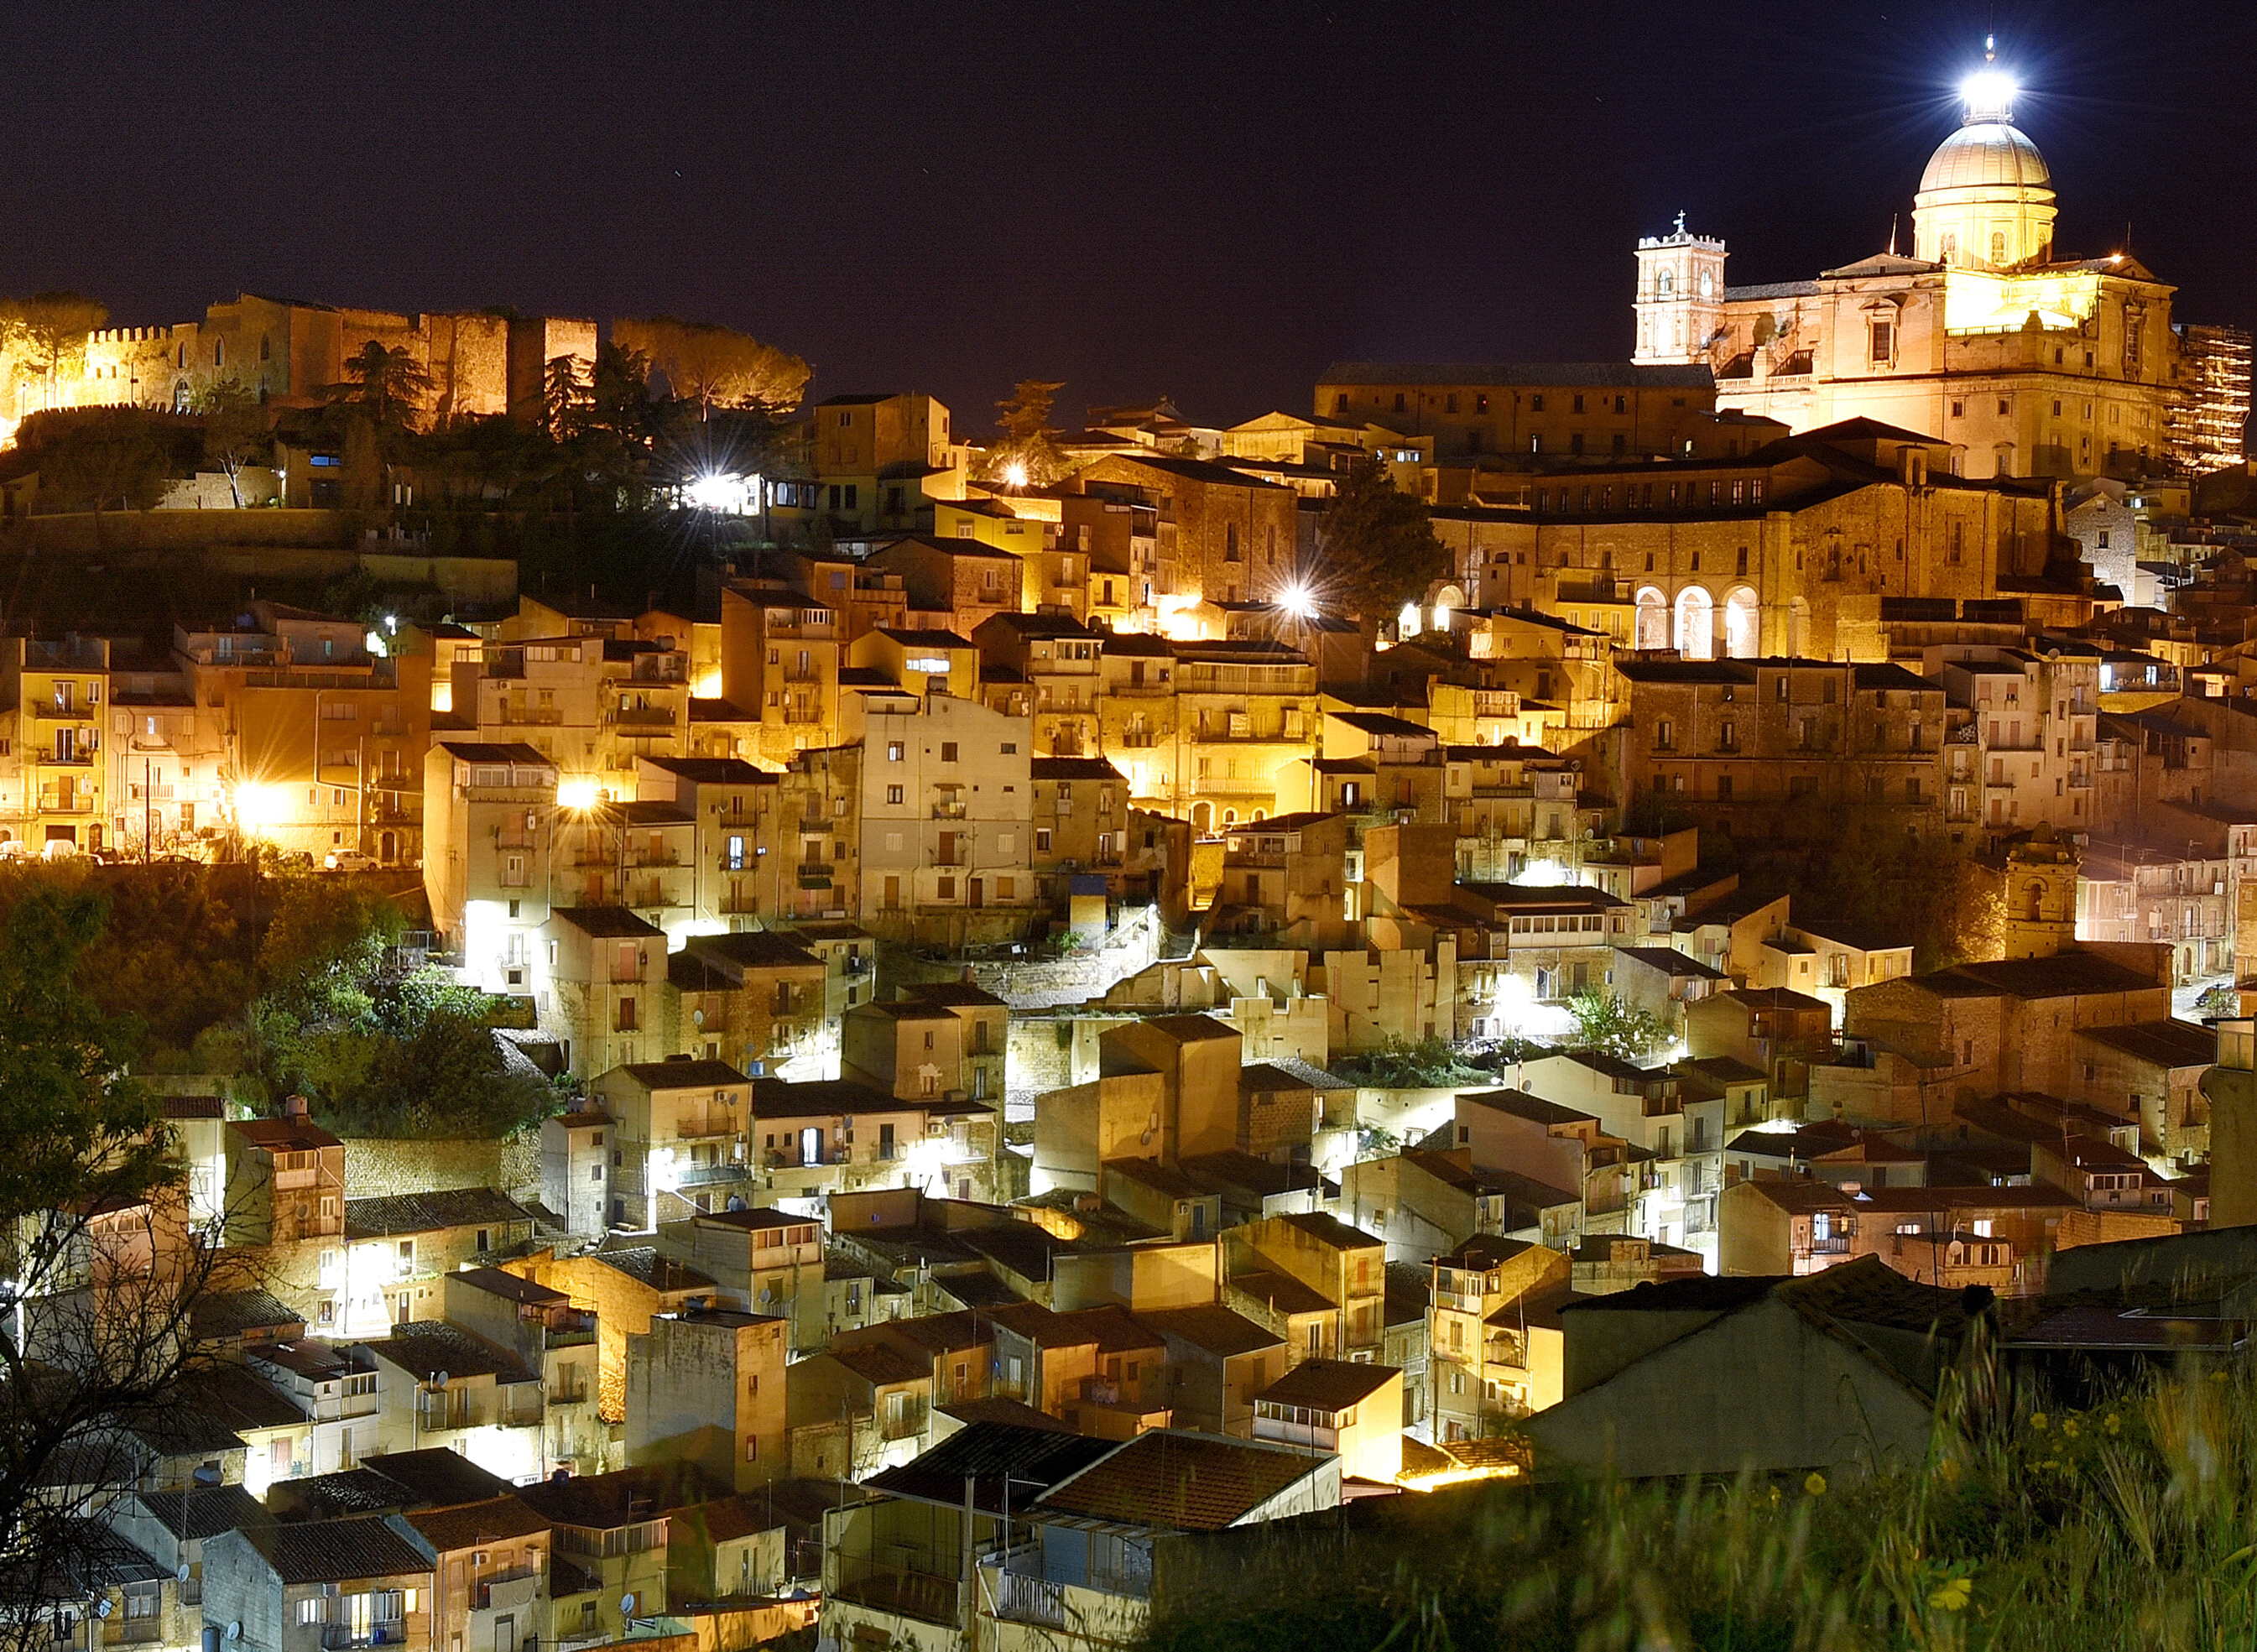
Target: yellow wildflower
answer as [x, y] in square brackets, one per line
[2114, 1427]
[1953, 1595]
[2218, 1376]
[2069, 1428]
[1816, 1484]
[2038, 1421]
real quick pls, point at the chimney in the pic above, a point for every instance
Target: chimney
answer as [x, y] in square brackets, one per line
[295, 1107]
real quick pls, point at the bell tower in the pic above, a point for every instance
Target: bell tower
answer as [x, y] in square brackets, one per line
[2040, 886]
[1680, 297]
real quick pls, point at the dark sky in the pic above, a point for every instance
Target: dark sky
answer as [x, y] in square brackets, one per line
[1208, 200]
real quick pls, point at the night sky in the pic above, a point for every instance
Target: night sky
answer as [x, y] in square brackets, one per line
[1211, 201]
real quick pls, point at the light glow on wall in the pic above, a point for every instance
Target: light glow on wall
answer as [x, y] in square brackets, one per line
[1974, 302]
[260, 807]
[579, 792]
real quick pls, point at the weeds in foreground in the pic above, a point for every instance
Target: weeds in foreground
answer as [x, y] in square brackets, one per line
[2131, 1523]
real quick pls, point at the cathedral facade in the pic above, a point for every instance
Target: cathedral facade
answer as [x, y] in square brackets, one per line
[2025, 363]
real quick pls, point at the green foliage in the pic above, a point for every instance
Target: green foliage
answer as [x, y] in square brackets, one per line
[1376, 548]
[106, 459]
[1028, 455]
[2122, 1525]
[1427, 1064]
[388, 388]
[1871, 870]
[1605, 1023]
[75, 1129]
[376, 1048]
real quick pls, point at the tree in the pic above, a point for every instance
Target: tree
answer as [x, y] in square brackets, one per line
[1375, 548]
[387, 387]
[1605, 1023]
[564, 397]
[1028, 456]
[118, 457]
[716, 366]
[237, 431]
[50, 329]
[102, 1270]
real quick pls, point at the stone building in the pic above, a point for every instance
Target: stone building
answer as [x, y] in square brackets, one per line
[2022, 363]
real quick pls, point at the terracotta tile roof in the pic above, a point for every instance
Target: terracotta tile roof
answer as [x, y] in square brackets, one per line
[1181, 1481]
[430, 1213]
[1329, 1385]
[338, 1551]
[474, 1525]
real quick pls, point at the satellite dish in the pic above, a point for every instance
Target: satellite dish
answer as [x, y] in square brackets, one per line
[234, 1631]
[698, 1017]
[439, 1380]
[627, 1605]
[101, 1607]
[736, 1202]
[180, 1572]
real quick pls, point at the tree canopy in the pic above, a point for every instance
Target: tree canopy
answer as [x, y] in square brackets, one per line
[1376, 547]
[1028, 455]
[715, 366]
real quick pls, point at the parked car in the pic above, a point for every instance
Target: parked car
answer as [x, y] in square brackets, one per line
[348, 860]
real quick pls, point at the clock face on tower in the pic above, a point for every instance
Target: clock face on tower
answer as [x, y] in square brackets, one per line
[1708, 285]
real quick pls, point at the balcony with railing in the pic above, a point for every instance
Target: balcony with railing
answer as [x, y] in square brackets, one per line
[702, 1127]
[506, 1591]
[924, 1596]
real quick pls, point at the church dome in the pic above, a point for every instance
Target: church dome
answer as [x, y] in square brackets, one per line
[1986, 155]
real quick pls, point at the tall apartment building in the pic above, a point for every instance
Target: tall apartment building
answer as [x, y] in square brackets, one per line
[490, 826]
[948, 821]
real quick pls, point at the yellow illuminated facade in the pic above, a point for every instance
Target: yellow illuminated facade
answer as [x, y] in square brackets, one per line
[1981, 335]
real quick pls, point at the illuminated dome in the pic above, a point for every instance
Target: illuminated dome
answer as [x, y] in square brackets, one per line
[1989, 155]
[1985, 201]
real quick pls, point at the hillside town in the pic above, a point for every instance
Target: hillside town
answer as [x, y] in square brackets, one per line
[989, 1011]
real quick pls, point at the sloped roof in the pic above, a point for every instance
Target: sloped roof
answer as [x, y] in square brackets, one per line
[338, 1551]
[1329, 1385]
[396, 1214]
[1181, 1481]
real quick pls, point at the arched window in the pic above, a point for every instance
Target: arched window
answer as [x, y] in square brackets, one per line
[1742, 632]
[1695, 624]
[265, 346]
[1668, 283]
[1949, 249]
[2032, 901]
[181, 394]
[1997, 246]
[184, 354]
[219, 352]
[1653, 620]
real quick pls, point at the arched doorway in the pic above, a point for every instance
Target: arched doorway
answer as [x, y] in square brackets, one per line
[1653, 620]
[1448, 601]
[1743, 623]
[1202, 817]
[1696, 635]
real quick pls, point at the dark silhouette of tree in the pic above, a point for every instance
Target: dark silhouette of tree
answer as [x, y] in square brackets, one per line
[118, 458]
[104, 1268]
[1028, 455]
[1376, 547]
[387, 387]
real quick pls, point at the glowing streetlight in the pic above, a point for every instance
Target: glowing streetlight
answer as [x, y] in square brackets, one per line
[715, 492]
[259, 808]
[576, 793]
[1296, 601]
[1015, 474]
